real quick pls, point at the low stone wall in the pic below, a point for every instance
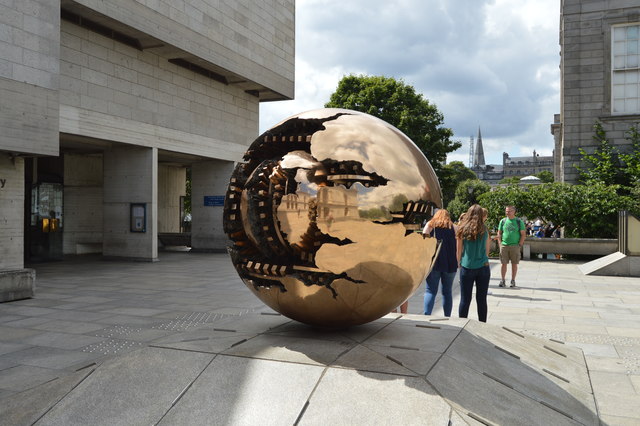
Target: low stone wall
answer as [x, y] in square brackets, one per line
[589, 246]
[17, 284]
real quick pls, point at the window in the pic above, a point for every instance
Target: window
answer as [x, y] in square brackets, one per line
[625, 69]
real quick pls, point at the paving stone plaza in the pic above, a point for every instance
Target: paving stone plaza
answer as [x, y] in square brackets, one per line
[183, 341]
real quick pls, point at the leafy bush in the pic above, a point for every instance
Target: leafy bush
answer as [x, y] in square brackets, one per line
[468, 192]
[585, 211]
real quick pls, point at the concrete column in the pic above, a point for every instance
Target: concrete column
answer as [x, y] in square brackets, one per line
[11, 208]
[130, 176]
[15, 281]
[209, 181]
[172, 185]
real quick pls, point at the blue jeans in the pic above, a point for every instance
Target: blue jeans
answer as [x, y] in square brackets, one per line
[433, 279]
[481, 278]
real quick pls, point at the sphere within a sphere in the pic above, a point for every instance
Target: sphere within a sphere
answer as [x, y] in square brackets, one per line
[322, 215]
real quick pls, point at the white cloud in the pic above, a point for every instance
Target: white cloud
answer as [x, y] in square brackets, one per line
[487, 63]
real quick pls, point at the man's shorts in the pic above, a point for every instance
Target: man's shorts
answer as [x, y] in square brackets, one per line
[510, 253]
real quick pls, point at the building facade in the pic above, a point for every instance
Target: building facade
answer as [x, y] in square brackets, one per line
[105, 106]
[527, 165]
[510, 167]
[600, 77]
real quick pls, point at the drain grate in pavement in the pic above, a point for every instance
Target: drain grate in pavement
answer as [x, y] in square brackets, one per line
[117, 331]
[603, 339]
[630, 358]
[555, 335]
[112, 347]
[187, 321]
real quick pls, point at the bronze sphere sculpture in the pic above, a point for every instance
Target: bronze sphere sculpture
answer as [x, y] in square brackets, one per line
[322, 215]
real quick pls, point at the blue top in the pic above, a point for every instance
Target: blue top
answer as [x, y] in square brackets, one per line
[447, 260]
[474, 253]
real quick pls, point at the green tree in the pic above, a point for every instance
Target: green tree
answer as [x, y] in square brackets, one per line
[510, 195]
[585, 211]
[450, 176]
[545, 176]
[399, 105]
[631, 160]
[603, 164]
[595, 210]
[510, 180]
[468, 192]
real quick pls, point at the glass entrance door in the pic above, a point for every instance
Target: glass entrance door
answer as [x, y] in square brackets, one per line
[46, 222]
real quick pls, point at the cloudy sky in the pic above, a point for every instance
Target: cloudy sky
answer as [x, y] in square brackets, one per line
[487, 63]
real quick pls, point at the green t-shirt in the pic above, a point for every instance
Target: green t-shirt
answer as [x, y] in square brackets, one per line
[511, 231]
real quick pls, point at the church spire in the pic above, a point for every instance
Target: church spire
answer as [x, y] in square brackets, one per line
[478, 155]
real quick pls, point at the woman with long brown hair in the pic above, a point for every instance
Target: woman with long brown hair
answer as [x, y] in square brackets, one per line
[473, 244]
[446, 264]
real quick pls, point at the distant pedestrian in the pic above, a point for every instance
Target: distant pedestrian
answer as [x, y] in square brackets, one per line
[511, 234]
[446, 264]
[473, 245]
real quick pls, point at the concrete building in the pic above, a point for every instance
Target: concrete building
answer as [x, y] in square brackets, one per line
[106, 104]
[600, 76]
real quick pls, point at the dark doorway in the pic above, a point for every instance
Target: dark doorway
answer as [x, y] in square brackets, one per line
[44, 208]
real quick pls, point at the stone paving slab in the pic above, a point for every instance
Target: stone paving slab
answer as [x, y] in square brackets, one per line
[292, 349]
[28, 407]
[533, 382]
[204, 340]
[22, 377]
[243, 391]
[417, 361]
[368, 359]
[496, 403]
[136, 388]
[6, 348]
[357, 397]
[51, 358]
[429, 337]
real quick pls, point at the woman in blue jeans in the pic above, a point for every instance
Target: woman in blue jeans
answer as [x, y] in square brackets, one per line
[473, 244]
[445, 267]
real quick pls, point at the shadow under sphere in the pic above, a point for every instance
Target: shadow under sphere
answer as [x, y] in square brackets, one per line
[322, 215]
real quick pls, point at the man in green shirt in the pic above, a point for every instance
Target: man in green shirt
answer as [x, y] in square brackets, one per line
[511, 234]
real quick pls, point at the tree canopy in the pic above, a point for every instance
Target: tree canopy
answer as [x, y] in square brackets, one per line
[468, 192]
[603, 165]
[398, 104]
[510, 180]
[608, 165]
[585, 211]
[450, 176]
[545, 176]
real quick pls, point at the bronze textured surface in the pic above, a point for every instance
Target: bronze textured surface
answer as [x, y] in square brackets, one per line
[322, 215]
